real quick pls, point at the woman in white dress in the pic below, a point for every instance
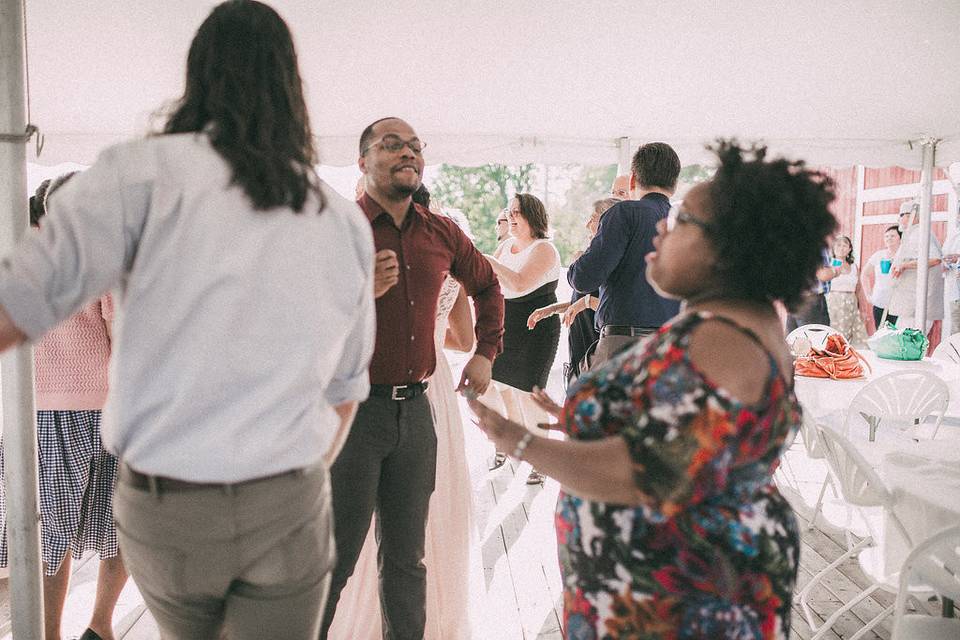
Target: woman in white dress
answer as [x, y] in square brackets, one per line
[449, 526]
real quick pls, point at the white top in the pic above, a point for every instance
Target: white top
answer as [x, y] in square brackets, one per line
[882, 282]
[846, 282]
[902, 300]
[236, 330]
[952, 276]
[515, 262]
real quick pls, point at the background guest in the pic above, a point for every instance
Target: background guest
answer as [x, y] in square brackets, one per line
[579, 313]
[615, 261]
[951, 276]
[876, 278]
[669, 524]
[528, 266]
[903, 300]
[842, 299]
[77, 476]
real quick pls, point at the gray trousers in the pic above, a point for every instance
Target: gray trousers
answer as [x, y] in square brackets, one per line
[609, 346]
[249, 561]
[388, 466]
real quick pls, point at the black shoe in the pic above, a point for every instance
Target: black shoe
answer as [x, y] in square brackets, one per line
[90, 634]
[535, 477]
[498, 461]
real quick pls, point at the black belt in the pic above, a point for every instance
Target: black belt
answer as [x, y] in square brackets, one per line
[624, 330]
[161, 484]
[398, 391]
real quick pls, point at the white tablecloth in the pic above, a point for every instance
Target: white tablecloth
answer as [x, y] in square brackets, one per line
[925, 482]
[823, 396]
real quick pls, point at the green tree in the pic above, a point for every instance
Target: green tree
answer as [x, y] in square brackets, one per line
[481, 193]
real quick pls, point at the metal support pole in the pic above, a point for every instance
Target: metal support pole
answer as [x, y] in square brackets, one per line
[623, 156]
[929, 148]
[19, 419]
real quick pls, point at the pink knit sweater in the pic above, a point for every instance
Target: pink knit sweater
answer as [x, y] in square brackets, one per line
[71, 361]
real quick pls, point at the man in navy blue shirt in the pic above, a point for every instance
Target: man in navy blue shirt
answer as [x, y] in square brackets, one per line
[615, 262]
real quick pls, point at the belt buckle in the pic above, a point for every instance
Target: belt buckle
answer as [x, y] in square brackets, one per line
[393, 392]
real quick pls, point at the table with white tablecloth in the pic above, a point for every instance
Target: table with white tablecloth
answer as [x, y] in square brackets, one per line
[925, 482]
[825, 397]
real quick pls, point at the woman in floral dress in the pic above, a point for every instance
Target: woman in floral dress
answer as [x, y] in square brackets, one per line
[669, 524]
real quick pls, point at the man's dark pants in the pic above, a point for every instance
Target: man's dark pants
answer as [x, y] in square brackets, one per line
[813, 311]
[387, 465]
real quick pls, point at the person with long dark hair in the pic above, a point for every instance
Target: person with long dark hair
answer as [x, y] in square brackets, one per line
[669, 524]
[245, 327]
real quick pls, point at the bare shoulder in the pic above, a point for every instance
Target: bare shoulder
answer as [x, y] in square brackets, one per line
[732, 359]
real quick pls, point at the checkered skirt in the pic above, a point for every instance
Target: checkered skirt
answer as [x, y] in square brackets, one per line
[77, 477]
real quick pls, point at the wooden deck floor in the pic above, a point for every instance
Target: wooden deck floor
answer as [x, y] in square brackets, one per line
[520, 595]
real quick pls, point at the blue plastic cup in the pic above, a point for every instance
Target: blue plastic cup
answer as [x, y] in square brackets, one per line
[836, 262]
[885, 266]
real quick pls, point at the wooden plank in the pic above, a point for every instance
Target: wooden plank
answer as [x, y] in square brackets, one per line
[503, 610]
[536, 607]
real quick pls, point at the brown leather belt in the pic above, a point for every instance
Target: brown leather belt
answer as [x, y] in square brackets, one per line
[161, 484]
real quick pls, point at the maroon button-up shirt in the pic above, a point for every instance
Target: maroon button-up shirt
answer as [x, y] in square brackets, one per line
[428, 247]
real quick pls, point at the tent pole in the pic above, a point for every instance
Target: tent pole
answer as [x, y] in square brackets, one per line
[19, 433]
[928, 149]
[623, 156]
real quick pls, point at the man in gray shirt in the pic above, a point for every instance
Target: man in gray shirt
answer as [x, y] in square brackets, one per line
[243, 336]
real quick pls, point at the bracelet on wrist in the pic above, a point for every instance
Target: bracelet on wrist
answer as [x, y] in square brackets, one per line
[522, 445]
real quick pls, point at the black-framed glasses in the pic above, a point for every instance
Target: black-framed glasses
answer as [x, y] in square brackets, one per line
[679, 216]
[394, 143]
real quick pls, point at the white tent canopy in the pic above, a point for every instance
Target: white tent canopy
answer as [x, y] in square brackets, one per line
[553, 82]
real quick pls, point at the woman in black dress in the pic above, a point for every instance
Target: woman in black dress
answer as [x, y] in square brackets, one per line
[578, 314]
[528, 266]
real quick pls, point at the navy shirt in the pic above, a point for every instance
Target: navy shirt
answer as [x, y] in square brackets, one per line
[614, 263]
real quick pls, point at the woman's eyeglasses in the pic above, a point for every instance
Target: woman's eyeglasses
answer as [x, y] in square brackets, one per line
[679, 216]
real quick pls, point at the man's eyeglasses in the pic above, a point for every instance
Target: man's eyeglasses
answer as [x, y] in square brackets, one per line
[679, 216]
[395, 143]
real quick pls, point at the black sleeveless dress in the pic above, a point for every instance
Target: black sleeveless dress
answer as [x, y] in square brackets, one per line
[528, 354]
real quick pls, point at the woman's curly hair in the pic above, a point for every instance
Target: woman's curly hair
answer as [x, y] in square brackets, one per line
[771, 221]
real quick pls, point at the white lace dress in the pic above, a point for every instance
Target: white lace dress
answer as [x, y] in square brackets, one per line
[448, 526]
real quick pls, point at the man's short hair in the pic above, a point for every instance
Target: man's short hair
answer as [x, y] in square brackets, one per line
[367, 136]
[656, 164]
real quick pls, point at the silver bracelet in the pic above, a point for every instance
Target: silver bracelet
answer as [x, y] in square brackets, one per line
[522, 445]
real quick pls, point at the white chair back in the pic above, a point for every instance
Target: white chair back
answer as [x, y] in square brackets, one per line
[934, 564]
[949, 349]
[906, 397]
[813, 334]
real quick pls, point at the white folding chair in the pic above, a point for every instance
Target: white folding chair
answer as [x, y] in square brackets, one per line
[862, 488]
[948, 349]
[815, 334]
[903, 398]
[935, 564]
[808, 436]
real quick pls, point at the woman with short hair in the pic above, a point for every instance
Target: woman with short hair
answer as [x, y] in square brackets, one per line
[669, 524]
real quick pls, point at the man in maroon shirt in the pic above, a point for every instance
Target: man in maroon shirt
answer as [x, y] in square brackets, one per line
[388, 463]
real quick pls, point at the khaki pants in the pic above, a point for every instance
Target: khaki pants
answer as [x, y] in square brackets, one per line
[610, 346]
[249, 561]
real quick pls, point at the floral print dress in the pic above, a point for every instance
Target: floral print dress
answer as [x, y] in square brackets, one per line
[713, 550]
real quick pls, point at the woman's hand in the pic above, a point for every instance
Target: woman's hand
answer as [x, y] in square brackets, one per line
[574, 309]
[545, 312]
[545, 402]
[502, 432]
